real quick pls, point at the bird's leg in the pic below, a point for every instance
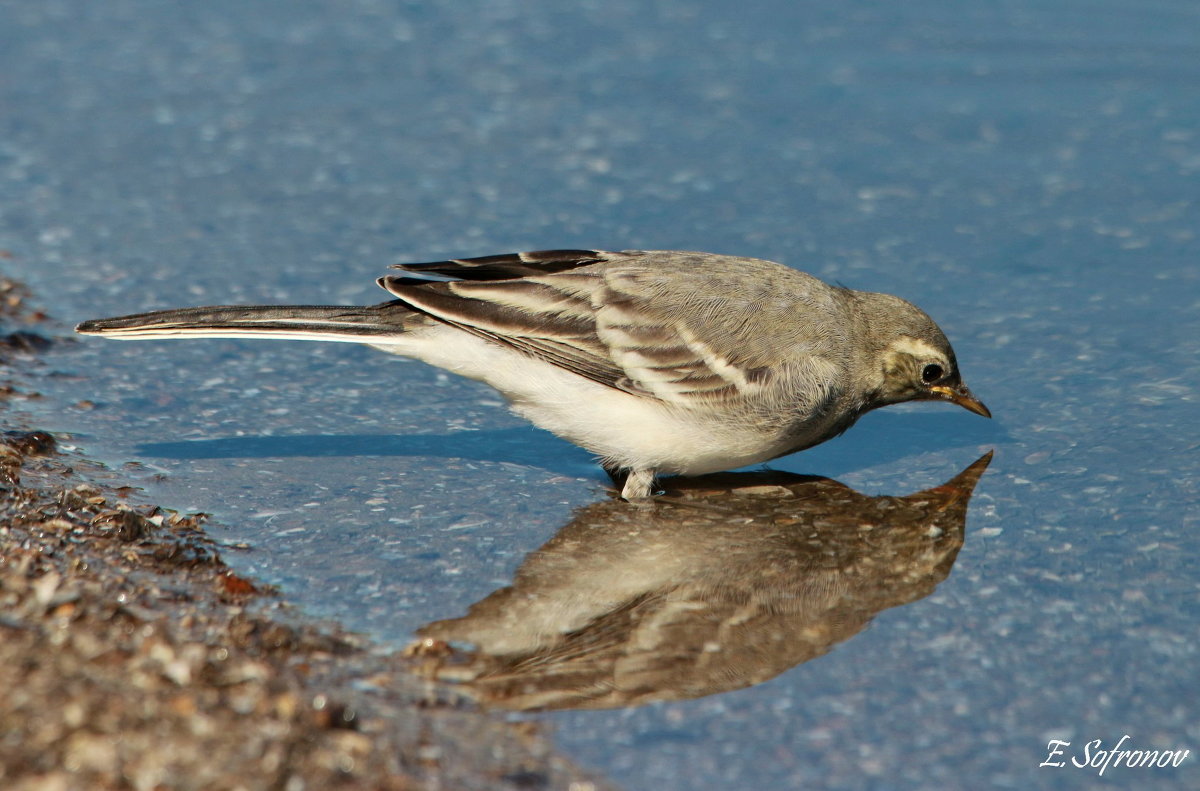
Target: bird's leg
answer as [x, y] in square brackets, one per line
[639, 486]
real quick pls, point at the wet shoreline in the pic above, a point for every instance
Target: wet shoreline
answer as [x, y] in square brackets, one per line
[135, 658]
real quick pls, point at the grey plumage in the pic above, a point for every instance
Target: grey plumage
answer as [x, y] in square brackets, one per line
[659, 362]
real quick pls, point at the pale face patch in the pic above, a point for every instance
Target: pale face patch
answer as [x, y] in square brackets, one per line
[916, 348]
[902, 360]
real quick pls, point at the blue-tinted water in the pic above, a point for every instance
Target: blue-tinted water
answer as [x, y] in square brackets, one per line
[1026, 171]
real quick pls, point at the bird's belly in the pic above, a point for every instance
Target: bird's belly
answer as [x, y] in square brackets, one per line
[623, 429]
[637, 433]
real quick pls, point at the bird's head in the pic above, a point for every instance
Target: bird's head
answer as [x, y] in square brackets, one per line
[911, 358]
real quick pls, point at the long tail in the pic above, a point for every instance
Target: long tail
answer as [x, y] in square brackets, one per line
[289, 322]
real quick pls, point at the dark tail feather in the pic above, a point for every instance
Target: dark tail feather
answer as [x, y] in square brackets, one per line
[294, 322]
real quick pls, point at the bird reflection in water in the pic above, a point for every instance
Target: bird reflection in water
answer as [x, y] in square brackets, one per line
[728, 581]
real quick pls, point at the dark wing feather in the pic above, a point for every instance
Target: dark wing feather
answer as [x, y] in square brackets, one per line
[507, 266]
[561, 329]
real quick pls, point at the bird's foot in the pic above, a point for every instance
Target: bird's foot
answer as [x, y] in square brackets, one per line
[639, 487]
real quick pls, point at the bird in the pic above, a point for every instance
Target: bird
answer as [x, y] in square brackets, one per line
[658, 362]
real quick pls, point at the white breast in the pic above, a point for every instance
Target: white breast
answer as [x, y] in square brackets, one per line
[622, 428]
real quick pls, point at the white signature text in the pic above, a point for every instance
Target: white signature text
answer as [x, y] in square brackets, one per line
[1095, 756]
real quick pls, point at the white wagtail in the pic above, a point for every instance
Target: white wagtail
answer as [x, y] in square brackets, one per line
[656, 361]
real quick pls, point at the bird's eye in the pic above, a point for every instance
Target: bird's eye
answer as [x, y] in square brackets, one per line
[931, 373]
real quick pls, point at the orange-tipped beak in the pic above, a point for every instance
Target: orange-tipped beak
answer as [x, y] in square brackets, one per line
[962, 396]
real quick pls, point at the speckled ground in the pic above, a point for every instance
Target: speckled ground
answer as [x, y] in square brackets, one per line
[132, 657]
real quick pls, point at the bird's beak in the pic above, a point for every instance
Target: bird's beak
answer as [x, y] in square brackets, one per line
[962, 396]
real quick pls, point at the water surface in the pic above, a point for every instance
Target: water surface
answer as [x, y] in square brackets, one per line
[1026, 171]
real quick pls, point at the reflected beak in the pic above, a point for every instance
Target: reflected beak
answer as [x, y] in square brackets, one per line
[962, 396]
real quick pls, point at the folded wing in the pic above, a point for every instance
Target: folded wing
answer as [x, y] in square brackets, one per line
[610, 317]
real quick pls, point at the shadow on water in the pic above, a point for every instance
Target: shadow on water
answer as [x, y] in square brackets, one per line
[887, 436]
[521, 445]
[726, 582]
[878, 439]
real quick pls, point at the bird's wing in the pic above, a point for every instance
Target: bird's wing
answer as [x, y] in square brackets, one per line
[547, 317]
[507, 266]
[685, 328]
